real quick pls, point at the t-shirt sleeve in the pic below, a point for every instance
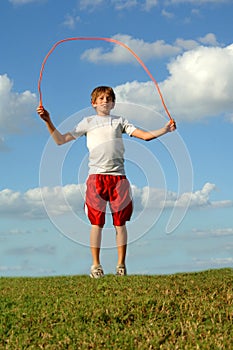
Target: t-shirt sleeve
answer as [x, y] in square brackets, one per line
[80, 129]
[128, 127]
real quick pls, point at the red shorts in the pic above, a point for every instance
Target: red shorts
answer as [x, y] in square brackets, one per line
[114, 189]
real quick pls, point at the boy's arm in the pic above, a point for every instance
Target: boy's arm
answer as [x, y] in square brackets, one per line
[59, 138]
[153, 134]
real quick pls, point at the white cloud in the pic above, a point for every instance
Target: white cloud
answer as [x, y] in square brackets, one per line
[71, 21]
[167, 14]
[19, 231]
[199, 85]
[61, 200]
[138, 93]
[3, 146]
[200, 198]
[198, 2]
[25, 268]
[118, 5]
[146, 5]
[200, 82]
[16, 109]
[84, 4]
[46, 249]
[23, 2]
[144, 50]
[197, 199]
[30, 204]
[214, 262]
[230, 117]
[14, 268]
[209, 39]
[149, 4]
[123, 4]
[214, 232]
[186, 44]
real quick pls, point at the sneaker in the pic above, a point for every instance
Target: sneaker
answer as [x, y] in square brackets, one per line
[96, 271]
[121, 270]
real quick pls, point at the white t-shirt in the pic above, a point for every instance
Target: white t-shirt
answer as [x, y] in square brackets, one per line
[104, 142]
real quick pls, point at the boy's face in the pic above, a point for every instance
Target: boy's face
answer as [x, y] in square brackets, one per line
[103, 104]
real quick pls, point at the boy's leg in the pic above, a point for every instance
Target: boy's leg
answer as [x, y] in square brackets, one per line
[121, 241]
[95, 243]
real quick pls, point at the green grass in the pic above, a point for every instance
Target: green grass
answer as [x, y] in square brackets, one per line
[181, 311]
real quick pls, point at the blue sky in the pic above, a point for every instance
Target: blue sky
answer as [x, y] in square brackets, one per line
[182, 183]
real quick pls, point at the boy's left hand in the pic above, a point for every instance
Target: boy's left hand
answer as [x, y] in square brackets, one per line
[171, 126]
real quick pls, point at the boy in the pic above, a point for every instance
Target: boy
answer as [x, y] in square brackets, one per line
[106, 181]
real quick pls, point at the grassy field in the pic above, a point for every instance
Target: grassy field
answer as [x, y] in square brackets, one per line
[181, 311]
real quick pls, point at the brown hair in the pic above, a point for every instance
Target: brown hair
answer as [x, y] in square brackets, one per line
[102, 89]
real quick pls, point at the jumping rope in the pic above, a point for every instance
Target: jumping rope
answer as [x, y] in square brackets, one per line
[109, 40]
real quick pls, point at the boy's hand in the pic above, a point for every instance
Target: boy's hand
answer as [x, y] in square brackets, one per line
[43, 114]
[171, 126]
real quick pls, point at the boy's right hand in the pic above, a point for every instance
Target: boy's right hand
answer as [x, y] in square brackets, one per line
[43, 114]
